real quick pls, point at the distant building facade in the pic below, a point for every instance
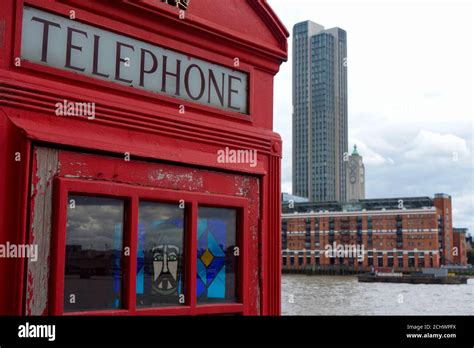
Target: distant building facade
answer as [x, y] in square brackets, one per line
[355, 176]
[405, 234]
[460, 244]
[469, 252]
[287, 198]
[320, 133]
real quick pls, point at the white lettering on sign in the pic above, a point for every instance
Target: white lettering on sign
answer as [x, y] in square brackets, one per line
[70, 45]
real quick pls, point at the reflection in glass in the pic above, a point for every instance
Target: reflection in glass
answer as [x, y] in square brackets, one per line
[94, 234]
[160, 254]
[216, 262]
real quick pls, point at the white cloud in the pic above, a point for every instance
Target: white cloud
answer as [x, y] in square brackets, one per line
[370, 156]
[432, 145]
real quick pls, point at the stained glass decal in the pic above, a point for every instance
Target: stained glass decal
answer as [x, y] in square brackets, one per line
[93, 267]
[216, 259]
[160, 254]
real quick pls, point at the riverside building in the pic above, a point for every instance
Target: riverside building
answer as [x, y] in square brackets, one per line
[404, 234]
[460, 242]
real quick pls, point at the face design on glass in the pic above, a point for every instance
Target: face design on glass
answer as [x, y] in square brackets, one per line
[165, 269]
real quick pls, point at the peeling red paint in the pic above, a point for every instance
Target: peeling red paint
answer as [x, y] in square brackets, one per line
[168, 176]
[44, 169]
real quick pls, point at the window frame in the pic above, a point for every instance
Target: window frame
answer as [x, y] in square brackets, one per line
[132, 195]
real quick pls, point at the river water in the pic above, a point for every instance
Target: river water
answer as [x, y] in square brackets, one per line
[343, 295]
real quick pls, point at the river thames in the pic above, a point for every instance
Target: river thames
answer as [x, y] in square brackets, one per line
[343, 295]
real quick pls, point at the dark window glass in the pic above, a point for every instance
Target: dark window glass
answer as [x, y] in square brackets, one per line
[94, 235]
[400, 262]
[390, 262]
[421, 262]
[160, 255]
[216, 255]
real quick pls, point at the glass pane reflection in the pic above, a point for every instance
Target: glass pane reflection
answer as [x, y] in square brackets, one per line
[94, 237]
[216, 261]
[160, 254]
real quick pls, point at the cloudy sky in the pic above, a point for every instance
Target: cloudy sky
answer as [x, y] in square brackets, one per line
[411, 108]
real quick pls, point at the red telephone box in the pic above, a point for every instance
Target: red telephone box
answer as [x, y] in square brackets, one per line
[139, 171]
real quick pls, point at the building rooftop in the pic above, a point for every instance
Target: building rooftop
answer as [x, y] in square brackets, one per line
[367, 204]
[286, 198]
[354, 151]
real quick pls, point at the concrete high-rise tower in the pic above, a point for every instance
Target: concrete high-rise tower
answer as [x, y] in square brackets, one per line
[319, 112]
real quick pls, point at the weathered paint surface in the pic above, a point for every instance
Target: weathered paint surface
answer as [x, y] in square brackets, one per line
[45, 166]
[168, 176]
[147, 125]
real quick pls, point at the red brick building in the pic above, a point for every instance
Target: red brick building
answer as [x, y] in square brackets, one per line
[405, 234]
[460, 245]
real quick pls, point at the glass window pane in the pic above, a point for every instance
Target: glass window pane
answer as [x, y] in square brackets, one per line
[216, 262]
[160, 264]
[94, 234]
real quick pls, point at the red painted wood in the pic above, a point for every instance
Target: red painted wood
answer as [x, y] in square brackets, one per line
[58, 249]
[169, 151]
[177, 43]
[244, 268]
[13, 203]
[132, 194]
[229, 308]
[130, 239]
[192, 256]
